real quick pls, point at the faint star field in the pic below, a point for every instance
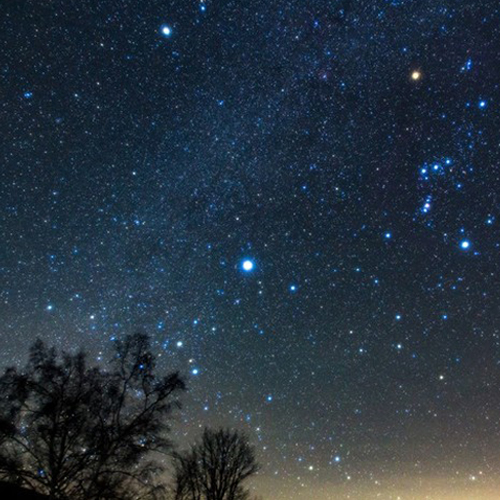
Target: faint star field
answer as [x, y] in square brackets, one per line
[298, 201]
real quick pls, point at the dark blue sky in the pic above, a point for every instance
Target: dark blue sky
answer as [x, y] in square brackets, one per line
[348, 150]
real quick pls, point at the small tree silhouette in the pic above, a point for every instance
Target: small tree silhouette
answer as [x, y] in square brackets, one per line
[215, 468]
[76, 432]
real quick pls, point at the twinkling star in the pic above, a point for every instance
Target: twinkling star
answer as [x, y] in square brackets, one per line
[416, 75]
[248, 265]
[166, 30]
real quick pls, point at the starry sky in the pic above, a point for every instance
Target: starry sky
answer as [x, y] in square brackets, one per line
[297, 200]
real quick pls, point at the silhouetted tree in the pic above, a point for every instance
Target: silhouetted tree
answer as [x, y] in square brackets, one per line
[215, 467]
[76, 432]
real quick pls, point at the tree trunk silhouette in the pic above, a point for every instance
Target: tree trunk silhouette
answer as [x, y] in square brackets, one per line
[76, 432]
[215, 468]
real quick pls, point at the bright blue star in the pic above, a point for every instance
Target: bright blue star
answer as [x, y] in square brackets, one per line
[28, 95]
[165, 30]
[50, 307]
[482, 104]
[269, 398]
[248, 265]
[388, 236]
[195, 371]
[293, 288]
[465, 244]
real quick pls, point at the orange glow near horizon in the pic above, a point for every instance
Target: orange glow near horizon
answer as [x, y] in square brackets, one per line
[461, 487]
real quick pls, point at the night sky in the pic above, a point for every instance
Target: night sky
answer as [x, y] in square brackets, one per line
[298, 200]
